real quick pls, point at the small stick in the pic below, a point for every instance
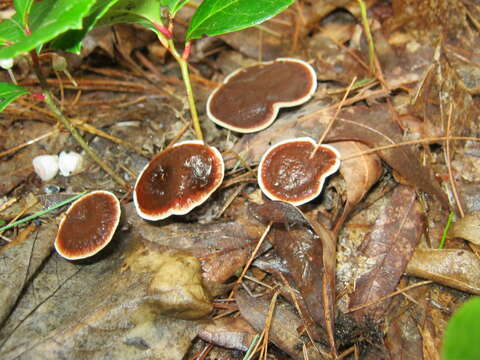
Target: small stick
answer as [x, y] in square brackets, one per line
[449, 163]
[410, 142]
[330, 123]
[400, 291]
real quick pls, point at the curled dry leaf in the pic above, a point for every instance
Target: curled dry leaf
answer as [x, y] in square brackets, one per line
[389, 247]
[467, 228]
[359, 173]
[176, 287]
[232, 333]
[459, 269]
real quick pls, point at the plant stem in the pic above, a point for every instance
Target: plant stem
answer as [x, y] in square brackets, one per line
[68, 125]
[188, 87]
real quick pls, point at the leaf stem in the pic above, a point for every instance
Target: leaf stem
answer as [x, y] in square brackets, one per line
[183, 63]
[68, 125]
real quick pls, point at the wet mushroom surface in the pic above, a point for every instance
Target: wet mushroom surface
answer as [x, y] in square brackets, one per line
[88, 225]
[177, 180]
[295, 170]
[250, 98]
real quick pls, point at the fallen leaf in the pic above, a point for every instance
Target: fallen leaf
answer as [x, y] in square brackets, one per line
[176, 287]
[222, 247]
[388, 247]
[359, 173]
[284, 326]
[459, 269]
[104, 309]
[20, 260]
[231, 333]
[300, 248]
[467, 228]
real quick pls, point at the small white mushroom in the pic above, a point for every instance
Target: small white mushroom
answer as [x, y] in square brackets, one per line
[6, 64]
[46, 166]
[70, 163]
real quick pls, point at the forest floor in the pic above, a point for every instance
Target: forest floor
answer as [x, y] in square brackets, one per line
[359, 273]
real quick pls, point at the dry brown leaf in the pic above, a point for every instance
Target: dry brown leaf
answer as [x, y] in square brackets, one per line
[459, 269]
[389, 247]
[232, 333]
[359, 173]
[223, 248]
[467, 228]
[310, 267]
[283, 329]
[20, 260]
[104, 309]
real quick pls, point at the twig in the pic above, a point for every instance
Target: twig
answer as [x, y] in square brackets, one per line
[339, 107]
[59, 115]
[410, 142]
[356, 308]
[449, 163]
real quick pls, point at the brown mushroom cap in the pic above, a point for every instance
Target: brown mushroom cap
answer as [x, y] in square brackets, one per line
[88, 225]
[177, 180]
[288, 171]
[249, 98]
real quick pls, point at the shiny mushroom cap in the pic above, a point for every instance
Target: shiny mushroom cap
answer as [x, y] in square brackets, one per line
[295, 170]
[88, 225]
[177, 180]
[249, 98]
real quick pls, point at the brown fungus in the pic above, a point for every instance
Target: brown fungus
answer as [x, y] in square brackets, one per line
[88, 225]
[294, 170]
[249, 98]
[177, 180]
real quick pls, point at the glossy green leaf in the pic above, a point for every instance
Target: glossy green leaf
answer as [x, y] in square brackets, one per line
[72, 39]
[460, 341]
[22, 9]
[216, 17]
[173, 5]
[9, 92]
[47, 20]
[143, 12]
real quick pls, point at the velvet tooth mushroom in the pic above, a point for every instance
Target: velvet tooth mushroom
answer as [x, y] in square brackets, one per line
[249, 99]
[88, 225]
[295, 170]
[177, 180]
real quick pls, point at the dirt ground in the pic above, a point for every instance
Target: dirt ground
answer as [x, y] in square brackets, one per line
[358, 273]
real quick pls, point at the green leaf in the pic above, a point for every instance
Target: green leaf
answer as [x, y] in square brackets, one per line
[460, 340]
[48, 19]
[72, 39]
[216, 17]
[22, 9]
[173, 5]
[142, 12]
[9, 92]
